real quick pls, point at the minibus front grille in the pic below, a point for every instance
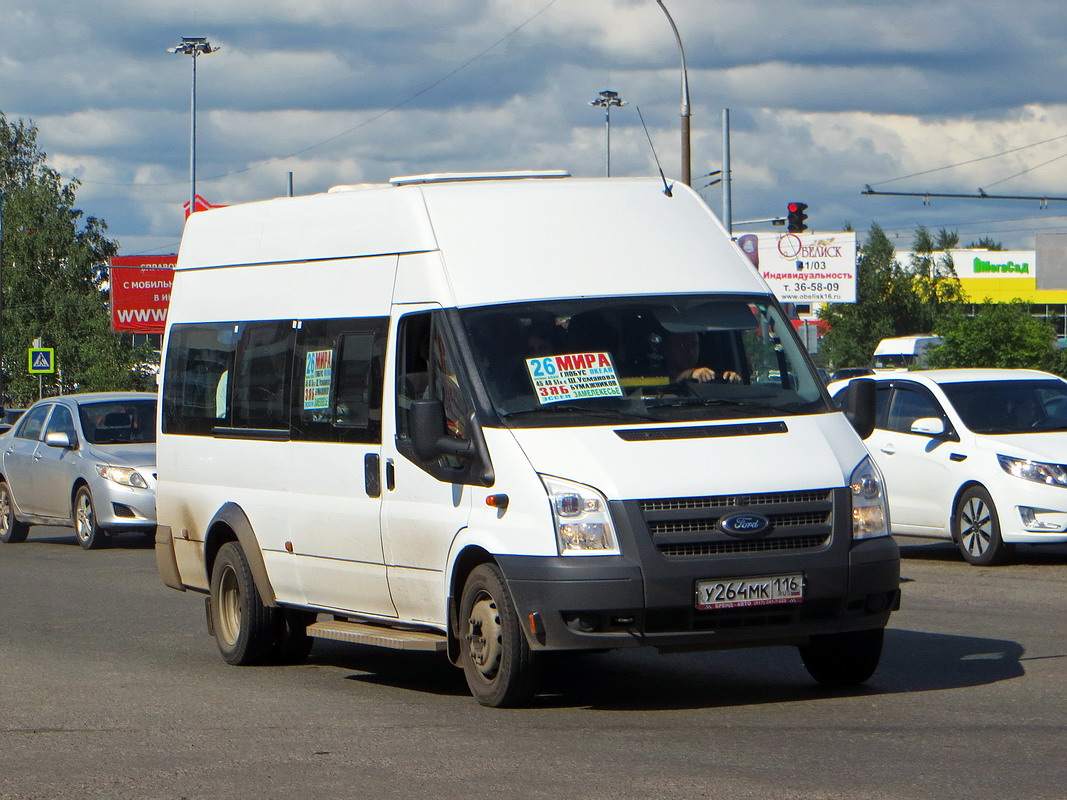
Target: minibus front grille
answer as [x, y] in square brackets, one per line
[744, 500]
[778, 521]
[757, 546]
[689, 527]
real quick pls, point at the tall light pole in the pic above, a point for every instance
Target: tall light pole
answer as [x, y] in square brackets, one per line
[193, 46]
[686, 168]
[608, 100]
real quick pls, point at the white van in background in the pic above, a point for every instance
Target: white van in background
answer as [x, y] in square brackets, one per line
[449, 413]
[901, 353]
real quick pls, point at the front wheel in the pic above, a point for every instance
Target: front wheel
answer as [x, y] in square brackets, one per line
[86, 529]
[976, 529]
[11, 530]
[843, 659]
[494, 653]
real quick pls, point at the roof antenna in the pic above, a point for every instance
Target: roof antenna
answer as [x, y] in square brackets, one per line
[666, 188]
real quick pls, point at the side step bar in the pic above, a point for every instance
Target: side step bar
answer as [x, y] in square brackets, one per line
[378, 636]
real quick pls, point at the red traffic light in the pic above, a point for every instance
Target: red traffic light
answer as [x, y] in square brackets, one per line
[796, 217]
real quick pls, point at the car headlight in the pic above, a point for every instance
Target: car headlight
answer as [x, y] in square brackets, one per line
[126, 476]
[1048, 474]
[870, 513]
[583, 523]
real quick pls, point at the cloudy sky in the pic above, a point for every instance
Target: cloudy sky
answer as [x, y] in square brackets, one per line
[825, 97]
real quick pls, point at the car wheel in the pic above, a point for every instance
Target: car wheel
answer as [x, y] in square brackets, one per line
[245, 629]
[494, 653]
[976, 528]
[86, 529]
[11, 530]
[843, 659]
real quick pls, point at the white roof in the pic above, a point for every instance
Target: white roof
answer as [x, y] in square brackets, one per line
[506, 238]
[943, 376]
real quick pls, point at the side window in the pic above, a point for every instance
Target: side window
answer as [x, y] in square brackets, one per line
[262, 372]
[909, 405]
[196, 382]
[62, 421]
[412, 368]
[428, 368]
[337, 390]
[882, 393]
[31, 425]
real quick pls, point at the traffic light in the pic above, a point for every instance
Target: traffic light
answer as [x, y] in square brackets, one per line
[796, 217]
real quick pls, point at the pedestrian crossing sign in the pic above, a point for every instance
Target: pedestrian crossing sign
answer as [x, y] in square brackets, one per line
[42, 360]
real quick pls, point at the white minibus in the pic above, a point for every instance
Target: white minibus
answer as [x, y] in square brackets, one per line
[504, 416]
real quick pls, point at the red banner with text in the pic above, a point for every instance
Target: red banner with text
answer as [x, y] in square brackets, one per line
[140, 292]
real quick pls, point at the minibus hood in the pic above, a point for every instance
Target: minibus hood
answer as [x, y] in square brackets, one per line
[810, 452]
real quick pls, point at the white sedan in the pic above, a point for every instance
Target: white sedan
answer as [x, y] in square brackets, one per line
[978, 456]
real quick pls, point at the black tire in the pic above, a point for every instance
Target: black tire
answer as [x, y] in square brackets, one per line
[494, 653]
[86, 530]
[976, 529]
[292, 643]
[843, 659]
[11, 530]
[246, 631]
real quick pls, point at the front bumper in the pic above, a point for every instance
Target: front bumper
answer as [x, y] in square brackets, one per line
[644, 598]
[121, 507]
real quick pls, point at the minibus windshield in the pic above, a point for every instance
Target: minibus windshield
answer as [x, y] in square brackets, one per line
[597, 361]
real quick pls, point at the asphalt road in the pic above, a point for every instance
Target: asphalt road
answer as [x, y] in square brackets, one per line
[110, 688]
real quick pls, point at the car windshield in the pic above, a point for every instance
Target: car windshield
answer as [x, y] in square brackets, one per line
[1027, 406]
[596, 361]
[119, 421]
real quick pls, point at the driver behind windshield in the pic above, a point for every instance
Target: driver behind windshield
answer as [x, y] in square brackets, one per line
[682, 354]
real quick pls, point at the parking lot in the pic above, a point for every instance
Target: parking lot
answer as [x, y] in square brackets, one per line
[111, 688]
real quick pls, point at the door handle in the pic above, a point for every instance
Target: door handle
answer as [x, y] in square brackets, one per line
[372, 475]
[390, 475]
[888, 449]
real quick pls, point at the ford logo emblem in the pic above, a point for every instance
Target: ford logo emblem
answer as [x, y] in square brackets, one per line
[744, 524]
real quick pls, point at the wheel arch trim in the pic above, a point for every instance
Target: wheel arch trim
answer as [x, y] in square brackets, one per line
[232, 517]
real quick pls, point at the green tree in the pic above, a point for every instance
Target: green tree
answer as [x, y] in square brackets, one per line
[998, 335]
[53, 273]
[986, 243]
[891, 299]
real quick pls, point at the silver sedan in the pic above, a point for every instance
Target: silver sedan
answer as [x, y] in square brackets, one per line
[86, 461]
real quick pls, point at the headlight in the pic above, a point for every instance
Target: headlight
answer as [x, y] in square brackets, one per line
[1048, 474]
[127, 476]
[870, 513]
[583, 524]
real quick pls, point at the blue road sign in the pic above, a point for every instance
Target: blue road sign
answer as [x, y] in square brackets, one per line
[42, 360]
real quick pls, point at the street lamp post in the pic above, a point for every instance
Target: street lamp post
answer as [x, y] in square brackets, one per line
[686, 168]
[608, 100]
[193, 46]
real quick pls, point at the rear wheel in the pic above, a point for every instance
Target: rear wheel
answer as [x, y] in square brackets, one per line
[843, 659]
[86, 529]
[494, 653]
[976, 529]
[245, 629]
[11, 530]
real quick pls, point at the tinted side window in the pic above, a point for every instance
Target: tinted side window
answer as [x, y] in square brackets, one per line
[262, 372]
[62, 421]
[196, 382]
[32, 424]
[909, 405]
[337, 390]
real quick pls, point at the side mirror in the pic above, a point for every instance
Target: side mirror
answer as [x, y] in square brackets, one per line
[429, 436]
[859, 406]
[929, 426]
[58, 439]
